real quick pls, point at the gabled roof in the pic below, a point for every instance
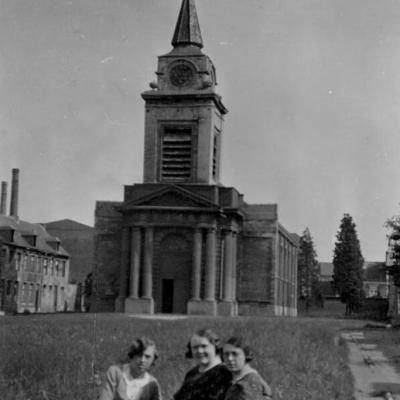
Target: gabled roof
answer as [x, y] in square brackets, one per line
[187, 29]
[172, 196]
[22, 228]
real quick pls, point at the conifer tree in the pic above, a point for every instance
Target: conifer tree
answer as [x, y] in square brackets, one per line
[348, 265]
[307, 267]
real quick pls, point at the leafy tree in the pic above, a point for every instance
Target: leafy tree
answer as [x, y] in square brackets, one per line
[393, 223]
[307, 268]
[348, 265]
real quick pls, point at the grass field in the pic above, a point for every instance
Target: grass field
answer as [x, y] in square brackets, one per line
[50, 357]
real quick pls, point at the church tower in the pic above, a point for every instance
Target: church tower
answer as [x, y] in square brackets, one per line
[181, 242]
[180, 225]
[184, 115]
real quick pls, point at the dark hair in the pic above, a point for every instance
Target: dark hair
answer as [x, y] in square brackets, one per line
[238, 341]
[138, 347]
[212, 338]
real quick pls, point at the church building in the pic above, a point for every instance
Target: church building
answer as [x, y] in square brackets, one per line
[181, 242]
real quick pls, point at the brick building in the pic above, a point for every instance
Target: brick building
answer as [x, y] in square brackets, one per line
[34, 267]
[375, 279]
[181, 242]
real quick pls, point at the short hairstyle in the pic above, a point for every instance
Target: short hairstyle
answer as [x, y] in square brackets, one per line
[212, 338]
[138, 347]
[238, 341]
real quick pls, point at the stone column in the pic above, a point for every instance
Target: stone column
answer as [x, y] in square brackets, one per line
[145, 304]
[195, 305]
[123, 285]
[148, 264]
[228, 304]
[234, 265]
[196, 266]
[210, 265]
[136, 247]
[208, 305]
[228, 267]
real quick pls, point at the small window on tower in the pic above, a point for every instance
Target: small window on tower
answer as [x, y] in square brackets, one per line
[176, 154]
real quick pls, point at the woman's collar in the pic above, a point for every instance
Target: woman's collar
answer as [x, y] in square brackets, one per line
[217, 362]
[245, 371]
[126, 371]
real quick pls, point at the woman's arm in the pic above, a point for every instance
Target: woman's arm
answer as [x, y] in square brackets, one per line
[156, 391]
[246, 390]
[108, 388]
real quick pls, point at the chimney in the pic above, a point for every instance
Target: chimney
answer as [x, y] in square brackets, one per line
[14, 193]
[3, 204]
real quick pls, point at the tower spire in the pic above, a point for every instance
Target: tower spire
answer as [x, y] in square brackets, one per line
[187, 29]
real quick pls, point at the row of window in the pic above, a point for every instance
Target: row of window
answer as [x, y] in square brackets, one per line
[45, 265]
[29, 291]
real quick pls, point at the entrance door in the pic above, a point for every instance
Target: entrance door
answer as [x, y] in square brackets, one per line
[167, 296]
[173, 284]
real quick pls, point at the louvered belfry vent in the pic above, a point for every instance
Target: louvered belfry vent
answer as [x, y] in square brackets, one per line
[176, 159]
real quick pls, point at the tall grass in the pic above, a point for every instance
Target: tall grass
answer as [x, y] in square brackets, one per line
[46, 357]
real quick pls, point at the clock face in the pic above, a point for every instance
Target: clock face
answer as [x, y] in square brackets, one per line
[181, 75]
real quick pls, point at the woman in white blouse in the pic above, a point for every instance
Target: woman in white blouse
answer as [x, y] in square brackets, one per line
[132, 381]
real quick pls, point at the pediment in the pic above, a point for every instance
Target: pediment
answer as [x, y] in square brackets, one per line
[172, 197]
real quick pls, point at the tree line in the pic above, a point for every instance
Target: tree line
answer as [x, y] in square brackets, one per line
[347, 268]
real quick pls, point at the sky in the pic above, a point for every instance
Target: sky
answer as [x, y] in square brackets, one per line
[312, 88]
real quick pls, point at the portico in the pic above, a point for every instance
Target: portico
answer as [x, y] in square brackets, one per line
[153, 261]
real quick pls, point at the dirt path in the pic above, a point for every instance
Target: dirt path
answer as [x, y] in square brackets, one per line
[374, 377]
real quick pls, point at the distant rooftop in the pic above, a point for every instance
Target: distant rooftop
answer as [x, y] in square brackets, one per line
[67, 225]
[326, 269]
[22, 229]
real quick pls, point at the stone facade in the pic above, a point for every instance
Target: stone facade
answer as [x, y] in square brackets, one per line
[181, 242]
[35, 269]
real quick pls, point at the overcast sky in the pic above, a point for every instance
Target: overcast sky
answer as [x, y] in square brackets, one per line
[312, 88]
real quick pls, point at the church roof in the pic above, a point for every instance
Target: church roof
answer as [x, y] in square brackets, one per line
[187, 29]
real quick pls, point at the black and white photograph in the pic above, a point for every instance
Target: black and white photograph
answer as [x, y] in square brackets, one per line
[200, 199]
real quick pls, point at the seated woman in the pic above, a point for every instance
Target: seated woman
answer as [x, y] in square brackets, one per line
[209, 379]
[131, 381]
[247, 384]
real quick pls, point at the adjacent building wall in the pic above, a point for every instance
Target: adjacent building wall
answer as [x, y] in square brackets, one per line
[34, 282]
[108, 253]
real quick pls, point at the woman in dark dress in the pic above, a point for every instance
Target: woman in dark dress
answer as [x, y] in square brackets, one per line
[209, 379]
[247, 384]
